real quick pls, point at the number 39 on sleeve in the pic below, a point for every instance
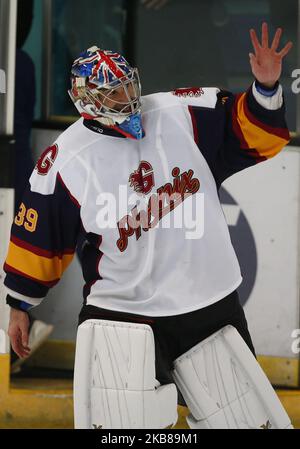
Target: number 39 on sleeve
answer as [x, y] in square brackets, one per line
[27, 218]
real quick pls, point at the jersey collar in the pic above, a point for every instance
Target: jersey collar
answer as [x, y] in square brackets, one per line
[97, 127]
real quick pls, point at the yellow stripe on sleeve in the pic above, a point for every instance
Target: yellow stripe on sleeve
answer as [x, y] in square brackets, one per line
[36, 266]
[265, 143]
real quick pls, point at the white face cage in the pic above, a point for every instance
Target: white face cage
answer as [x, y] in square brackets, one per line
[101, 101]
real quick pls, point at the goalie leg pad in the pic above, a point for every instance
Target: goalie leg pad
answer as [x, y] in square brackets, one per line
[224, 386]
[114, 379]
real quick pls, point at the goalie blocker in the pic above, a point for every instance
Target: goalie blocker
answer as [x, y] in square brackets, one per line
[219, 378]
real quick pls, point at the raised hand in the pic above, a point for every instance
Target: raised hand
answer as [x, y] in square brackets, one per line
[266, 64]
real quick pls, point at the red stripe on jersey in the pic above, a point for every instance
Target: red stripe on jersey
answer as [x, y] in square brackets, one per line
[40, 251]
[73, 199]
[195, 129]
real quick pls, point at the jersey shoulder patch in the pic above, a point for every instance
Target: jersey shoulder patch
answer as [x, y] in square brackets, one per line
[43, 177]
[197, 96]
[46, 160]
[58, 157]
[190, 92]
[189, 96]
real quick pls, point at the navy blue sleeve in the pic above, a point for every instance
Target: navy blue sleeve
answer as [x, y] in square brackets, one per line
[238, 133]
[43, 242]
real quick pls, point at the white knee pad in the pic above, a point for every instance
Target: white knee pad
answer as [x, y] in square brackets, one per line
[224, 386]
[114, 379]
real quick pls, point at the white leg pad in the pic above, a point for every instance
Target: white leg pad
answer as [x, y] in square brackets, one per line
[224, 386]
[114, 379]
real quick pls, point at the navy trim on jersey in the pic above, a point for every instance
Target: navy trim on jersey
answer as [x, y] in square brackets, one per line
[273, 118]
[18, 305]
[267, 91]
[97, 127]
[25, 286]
[90, 259]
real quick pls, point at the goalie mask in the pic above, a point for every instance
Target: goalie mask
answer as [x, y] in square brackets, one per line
[105, 87]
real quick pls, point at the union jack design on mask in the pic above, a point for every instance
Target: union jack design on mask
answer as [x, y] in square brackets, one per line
[96, 76]
[103, 67]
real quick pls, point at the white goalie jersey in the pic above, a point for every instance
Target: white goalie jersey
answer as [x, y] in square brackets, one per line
[155, 238]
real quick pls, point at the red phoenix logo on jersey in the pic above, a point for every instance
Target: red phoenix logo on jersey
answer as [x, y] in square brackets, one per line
[142, 179]
[46, 160]
[189, 92]
[162, 202]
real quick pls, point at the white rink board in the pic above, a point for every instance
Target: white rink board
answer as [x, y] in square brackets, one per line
[268, 195]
